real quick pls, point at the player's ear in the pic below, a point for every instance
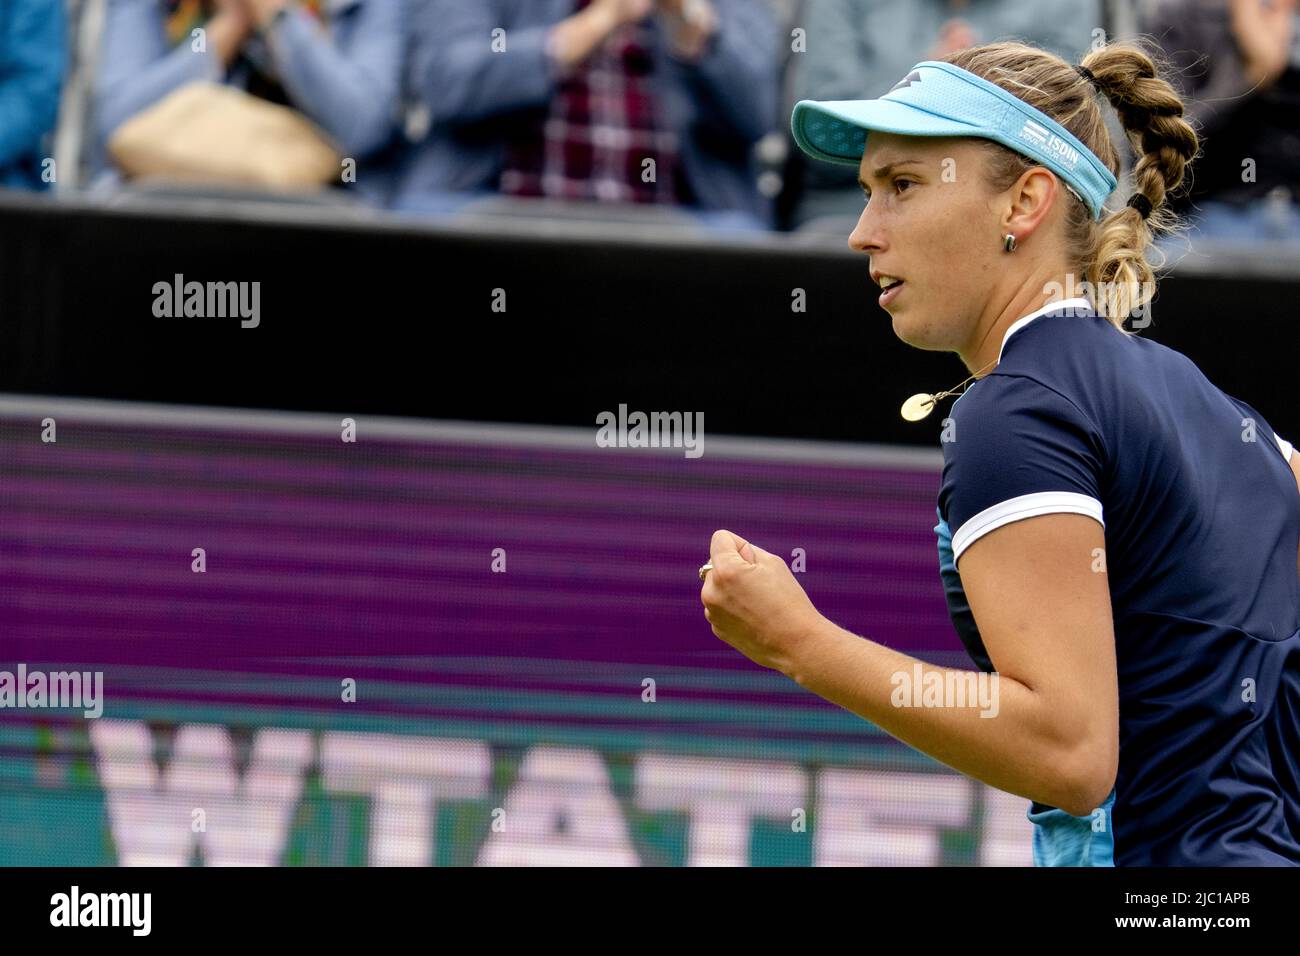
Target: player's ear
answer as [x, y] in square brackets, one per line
[1031, 198]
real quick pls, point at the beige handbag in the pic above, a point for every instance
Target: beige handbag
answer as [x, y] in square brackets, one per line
[208, 133]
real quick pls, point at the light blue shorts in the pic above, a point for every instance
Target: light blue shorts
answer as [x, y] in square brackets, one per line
[1064, 840]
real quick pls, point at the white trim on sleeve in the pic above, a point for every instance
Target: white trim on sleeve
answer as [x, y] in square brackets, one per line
[1018, 508]
[1284, 445]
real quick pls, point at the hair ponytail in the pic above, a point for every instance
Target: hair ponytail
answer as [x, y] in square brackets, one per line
[1151, 113]
[1110, 254]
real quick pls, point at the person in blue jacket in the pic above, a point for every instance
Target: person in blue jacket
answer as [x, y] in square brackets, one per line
[339, 62]
[33, 49]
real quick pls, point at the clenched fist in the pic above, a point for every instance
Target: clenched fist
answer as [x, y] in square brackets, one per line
[754, 603]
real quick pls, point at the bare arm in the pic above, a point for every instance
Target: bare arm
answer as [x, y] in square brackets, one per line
[1045, 618]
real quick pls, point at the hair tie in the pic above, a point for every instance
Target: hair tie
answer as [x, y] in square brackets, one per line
[1086, 73]
[1141, 204]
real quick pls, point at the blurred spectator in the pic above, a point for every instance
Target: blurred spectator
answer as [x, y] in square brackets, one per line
[858, 49]
[569, 99]
[338, 62]
[33, 44]
[1240, 66]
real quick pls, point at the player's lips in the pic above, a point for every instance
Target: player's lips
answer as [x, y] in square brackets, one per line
[891, 284]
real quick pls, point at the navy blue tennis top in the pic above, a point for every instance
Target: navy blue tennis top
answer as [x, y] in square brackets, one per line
[1201, 515]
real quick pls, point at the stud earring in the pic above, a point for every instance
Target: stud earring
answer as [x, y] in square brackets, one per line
[1009, 244]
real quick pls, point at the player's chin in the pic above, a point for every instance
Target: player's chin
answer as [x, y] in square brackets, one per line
[905, 325]
[912, 329]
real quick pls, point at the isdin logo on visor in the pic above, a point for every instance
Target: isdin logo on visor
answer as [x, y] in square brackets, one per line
[1045, 139]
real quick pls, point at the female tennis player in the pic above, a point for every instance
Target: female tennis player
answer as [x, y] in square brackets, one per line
[1119, 540]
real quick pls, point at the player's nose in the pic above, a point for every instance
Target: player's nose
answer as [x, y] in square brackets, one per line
[866, 235]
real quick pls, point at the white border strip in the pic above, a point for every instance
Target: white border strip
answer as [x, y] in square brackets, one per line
[1285, 445]
[1018, 508]
[199, 417]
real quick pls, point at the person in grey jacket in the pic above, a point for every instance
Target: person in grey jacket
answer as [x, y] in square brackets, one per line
[694, 79]
[338, 62]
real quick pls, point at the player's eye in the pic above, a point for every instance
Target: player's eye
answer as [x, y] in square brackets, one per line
[899, 182]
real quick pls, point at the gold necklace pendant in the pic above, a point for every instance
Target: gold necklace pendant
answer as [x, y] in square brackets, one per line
[922, 403]
[917, 407]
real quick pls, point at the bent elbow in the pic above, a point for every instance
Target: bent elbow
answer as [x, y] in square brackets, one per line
[1089, 778]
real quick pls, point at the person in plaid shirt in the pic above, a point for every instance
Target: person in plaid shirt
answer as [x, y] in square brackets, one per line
[602, 130]
[629, 101]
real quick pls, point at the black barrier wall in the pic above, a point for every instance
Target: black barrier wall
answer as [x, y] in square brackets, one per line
[524, 321]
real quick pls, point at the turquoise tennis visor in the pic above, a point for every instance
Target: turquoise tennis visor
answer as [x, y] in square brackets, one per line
[939, 99]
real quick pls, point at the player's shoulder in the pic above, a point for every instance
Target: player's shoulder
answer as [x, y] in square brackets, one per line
[1082, 355]
[1081, 338]
[1012, 389]
[1072, 364]
[1061, 334]
[1046, 381]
